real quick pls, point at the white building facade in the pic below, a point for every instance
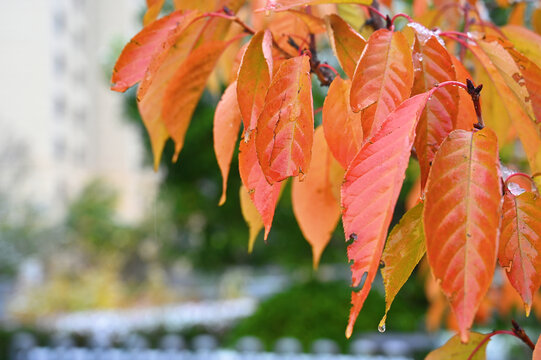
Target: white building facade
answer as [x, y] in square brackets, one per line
[60, 125]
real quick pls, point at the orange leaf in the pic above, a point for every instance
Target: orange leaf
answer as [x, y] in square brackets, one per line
[517, 14]
[316, 208]
[404, 249]
[226, 130]
[347, 44]
[285, 128]
[263, 195]
[153, 10]
[461, 219]
[454, 349]
[525, 41]
[158, 76]
[255, 73]
[433, 65]
[186, 87]
[251, 216]
[382, 80]
[537, 350]
[137, 54]
[343, 127]
[370, 191]
[501, 69]
[520, 242]
[314, 24]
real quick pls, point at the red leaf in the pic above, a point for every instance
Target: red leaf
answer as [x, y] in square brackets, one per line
[186, 87]
[433, 65]
[254, 77]
[461, 219]
[263, 195]
[383, 78]
[370, 191]
[315, 206]
[285, 127]
[343, 127]
[153, 10]
[520, 242]
[135, 58]
[347, 44]
[226, 130]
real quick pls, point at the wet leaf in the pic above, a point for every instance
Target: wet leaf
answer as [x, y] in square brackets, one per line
[520, 243]
[285, 127]
[369, 194]
[382, 80]
[461, 219]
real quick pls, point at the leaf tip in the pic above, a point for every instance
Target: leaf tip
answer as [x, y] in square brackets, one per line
[222, 199]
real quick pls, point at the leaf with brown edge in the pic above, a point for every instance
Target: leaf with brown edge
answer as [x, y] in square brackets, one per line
[404, 249]
[316, 208]
[135, 58]
[281, 5]
[186, 87]
[461, 219]
[255, 73]
[532, 78]
[454, 349]
[520, 243]
[382, 80]
[285, 128]
[343, 128]
[519, 111]
[433, 65]
[370, 191]
[153, 10]
[226, 127]
[346, 43]
[263, 195]
[251, 216]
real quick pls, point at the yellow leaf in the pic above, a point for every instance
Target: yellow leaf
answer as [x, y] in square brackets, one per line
[454, 349]
[251, 216]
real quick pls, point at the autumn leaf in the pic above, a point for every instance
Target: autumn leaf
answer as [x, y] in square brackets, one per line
[186, 87]
[255, 73]
[314, 24]
[461, 219]
[285, 127]
[135, 58]
[314, 204]
[382, 80]
[433, 65]
[251, 216]
[280, 5]
[404, 249]
[346, 43]
[513, 96]
[370, 191]
[153, 10]
[525, 41]
[537, 350]
[454, 349]
[227, 121]
[342, 127]
[264, 196]
[520, 240]
[466, 116]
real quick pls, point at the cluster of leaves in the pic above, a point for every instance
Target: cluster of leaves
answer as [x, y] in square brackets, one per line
[402, 94]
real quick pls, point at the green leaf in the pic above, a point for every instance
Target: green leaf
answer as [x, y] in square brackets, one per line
[454, 349]
[404, 249]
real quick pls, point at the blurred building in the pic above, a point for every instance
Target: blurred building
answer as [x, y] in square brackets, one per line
[60, 125]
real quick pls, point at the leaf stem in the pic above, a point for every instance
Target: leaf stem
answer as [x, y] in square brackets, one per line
[521, 334]
[328, 67]
[401, 15]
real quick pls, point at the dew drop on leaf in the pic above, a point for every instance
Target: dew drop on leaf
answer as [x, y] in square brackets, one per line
[381, 327]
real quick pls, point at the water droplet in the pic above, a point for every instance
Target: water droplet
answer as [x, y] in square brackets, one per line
[381, 328]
